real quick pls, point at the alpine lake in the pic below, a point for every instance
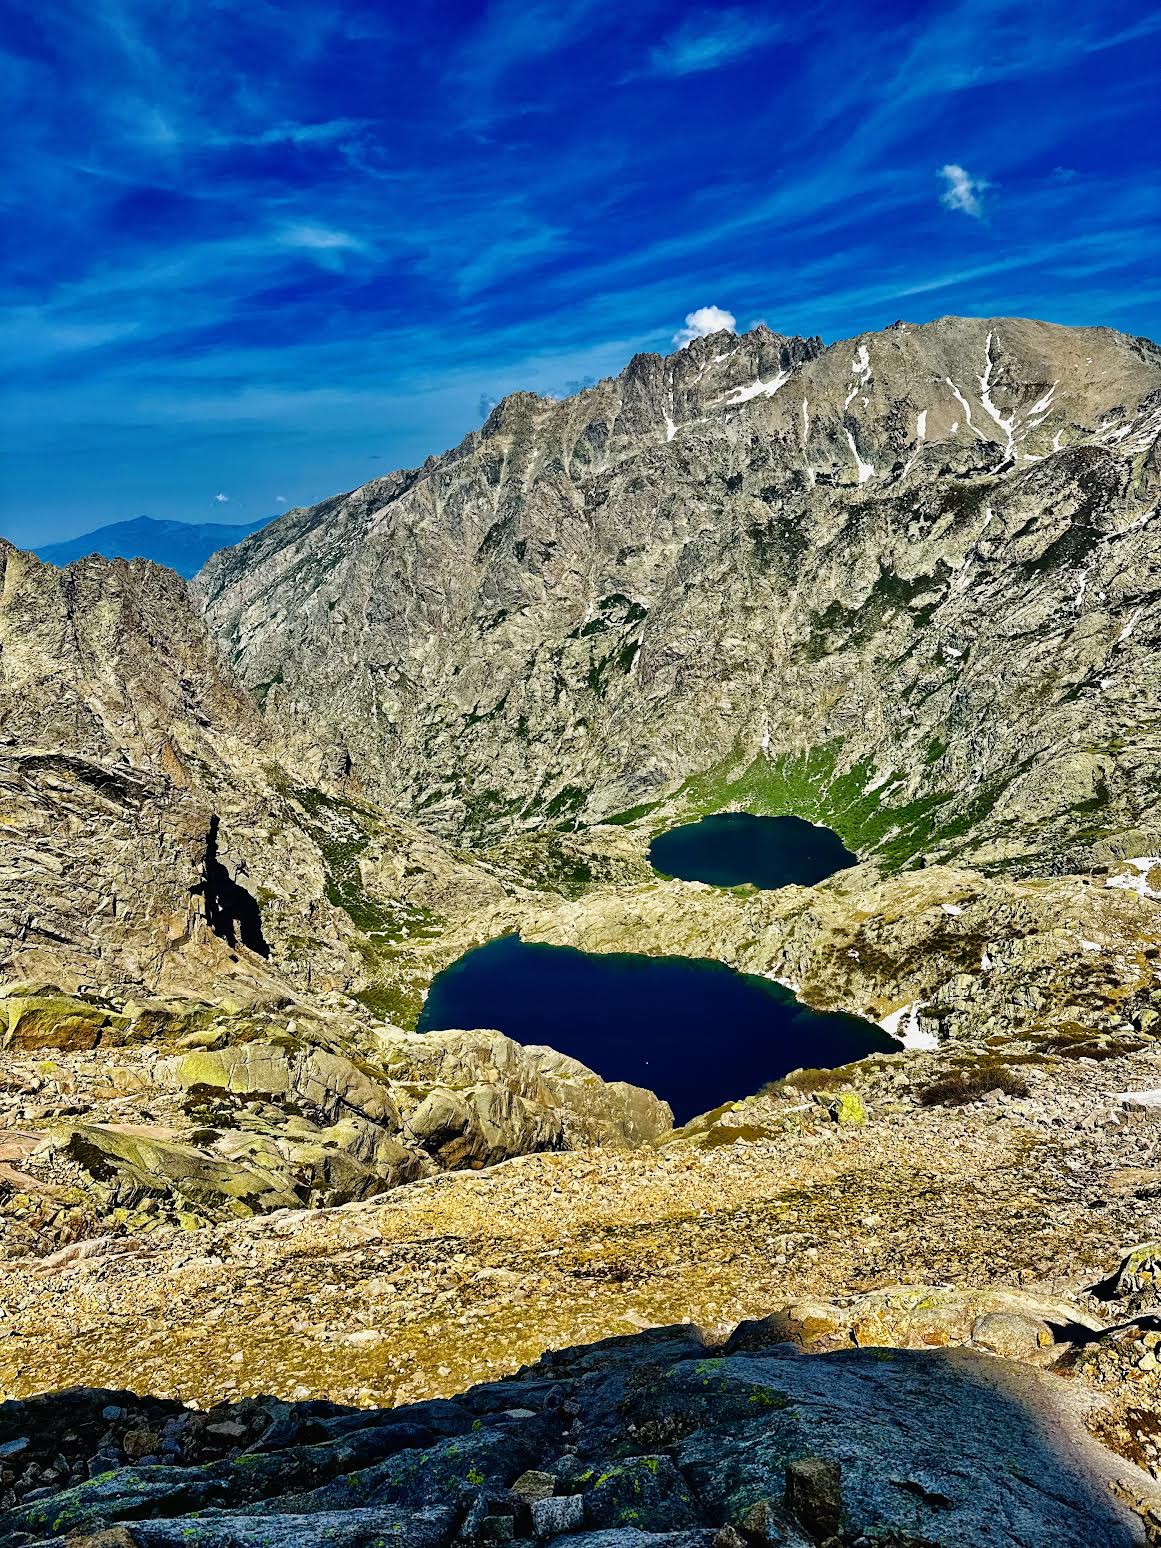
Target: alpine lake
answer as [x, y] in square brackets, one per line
[696, 1032]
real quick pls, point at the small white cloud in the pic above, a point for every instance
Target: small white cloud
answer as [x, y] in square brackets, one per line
[222, 499]
[298, 134]
[320, 238]
[281, 500]
[707, 319]
[963, 191]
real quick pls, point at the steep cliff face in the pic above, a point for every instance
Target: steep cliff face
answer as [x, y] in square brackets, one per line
[150, 838]
[120, 726]
[907, 582]
[210, 920]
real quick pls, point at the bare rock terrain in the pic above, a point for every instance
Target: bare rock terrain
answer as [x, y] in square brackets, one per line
[277, 1269]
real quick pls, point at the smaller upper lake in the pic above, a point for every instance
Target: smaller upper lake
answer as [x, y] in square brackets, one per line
[734, 847]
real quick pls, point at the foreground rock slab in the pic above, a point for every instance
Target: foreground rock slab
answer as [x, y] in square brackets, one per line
[653, 1439]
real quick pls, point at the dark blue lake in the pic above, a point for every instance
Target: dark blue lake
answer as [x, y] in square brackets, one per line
[697, 1033]
[734, 847]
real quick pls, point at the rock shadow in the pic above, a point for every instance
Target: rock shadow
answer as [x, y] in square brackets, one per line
[232, 913]
[656, 1438]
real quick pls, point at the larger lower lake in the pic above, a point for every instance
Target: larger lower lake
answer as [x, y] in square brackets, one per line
[697, 1033]
[735, 847]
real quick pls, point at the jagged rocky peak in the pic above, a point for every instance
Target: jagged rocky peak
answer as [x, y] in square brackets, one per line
[108, 658]
[717, 370]
[754, 548]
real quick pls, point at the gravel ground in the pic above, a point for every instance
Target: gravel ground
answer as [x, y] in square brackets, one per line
[466, 1276]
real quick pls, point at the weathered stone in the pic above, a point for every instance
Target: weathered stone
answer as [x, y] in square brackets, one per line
[767, 1523]
[54, 1021]
[366, 1528]
[1140, 1271]
[1010, 1334]
[647, 1493]
[534, 1485]
[564, 1513]
[814, 1494]
[138, 1443]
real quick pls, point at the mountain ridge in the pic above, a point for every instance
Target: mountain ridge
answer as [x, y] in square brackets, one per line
[476, 585]
[181, 546]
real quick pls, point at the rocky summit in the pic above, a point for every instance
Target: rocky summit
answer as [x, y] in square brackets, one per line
[910, 573]
[278, 1268]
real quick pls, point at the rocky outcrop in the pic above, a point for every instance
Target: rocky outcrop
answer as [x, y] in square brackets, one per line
[179, 1113]
[934, 953]
[658, 1439]
[591, 1110]
[184, 928]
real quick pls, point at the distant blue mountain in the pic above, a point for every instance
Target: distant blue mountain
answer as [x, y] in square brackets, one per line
[184, 546]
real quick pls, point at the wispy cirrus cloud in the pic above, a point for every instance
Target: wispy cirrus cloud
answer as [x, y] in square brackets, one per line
[323, 244]
[710, 39]
[514, 34]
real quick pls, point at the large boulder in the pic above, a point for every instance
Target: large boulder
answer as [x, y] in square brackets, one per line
[591, 1111]
[327, 1082]
[42, 1020]
[1016, 1323]
[140, 1165]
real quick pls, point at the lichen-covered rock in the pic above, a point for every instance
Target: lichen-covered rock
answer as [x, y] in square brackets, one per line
[1139, 1275]
[764, 1445]
[643, 1492]
[371, 1527]
[846, 1107]
[141, 1164]
[814, 1495]
[57, 1021]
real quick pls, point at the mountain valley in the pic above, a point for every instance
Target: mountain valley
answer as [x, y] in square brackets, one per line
[905, 587]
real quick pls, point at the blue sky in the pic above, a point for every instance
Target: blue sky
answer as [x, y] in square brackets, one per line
[259, 253]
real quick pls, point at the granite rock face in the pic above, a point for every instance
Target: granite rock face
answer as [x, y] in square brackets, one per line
[151, 839]
[656, 1440]
[906, 584]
